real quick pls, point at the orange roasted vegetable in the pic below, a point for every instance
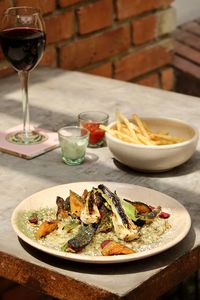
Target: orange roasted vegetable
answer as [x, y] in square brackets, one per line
[142, 208]
[110, 247]
[46, 228]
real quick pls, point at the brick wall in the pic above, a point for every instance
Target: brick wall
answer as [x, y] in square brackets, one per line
[123, 39]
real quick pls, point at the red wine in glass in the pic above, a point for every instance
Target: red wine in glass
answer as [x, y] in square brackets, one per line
[22, 39]
[22, 47]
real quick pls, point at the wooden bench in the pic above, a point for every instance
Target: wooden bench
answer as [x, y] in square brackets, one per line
[187, 58]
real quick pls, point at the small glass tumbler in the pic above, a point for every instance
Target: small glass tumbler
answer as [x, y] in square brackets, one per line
[73, 141]
[91, 120]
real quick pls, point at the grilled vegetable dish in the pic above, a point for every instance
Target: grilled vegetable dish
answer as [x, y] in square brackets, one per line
[98, 222]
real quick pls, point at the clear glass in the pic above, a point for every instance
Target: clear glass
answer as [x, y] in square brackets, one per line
[91, 120]
[73, 141]
[23, 39]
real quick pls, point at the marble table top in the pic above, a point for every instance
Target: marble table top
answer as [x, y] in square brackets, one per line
[56, 98]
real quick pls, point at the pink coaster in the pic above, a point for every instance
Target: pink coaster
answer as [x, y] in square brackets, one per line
[28, 151]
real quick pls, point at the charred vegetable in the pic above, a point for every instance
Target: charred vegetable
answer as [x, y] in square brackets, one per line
[90, 213]
[106, 224]
[82, 239]
[46, 228]
[61, 212]
[123, 226]
[142, 208]
[71, 224]
[110, 247]
[148, 218]
[130, 209]
[143, 212]
[67, 204]
[76, 203]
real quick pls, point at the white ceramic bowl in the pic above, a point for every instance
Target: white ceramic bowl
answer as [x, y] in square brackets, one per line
[156, 158]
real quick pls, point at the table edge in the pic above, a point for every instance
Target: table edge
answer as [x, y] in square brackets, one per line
[63, 287]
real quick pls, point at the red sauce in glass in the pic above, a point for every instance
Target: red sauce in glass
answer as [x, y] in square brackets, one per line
[96, 134]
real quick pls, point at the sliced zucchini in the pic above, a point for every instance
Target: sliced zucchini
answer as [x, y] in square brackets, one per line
[76, 203]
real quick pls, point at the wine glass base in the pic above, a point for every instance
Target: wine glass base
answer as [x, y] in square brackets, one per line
[21, 138]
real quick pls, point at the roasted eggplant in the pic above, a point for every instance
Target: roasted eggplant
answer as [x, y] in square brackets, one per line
[144, 213]
[141, 208]
[105, 224]
[82, 239]
[90, 213]
[124, 228]
[61, 211]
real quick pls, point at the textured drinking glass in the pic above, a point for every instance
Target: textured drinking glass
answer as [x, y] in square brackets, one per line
[22, 39]
[91, 120]
[73, 141]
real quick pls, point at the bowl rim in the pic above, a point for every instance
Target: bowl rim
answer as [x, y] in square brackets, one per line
[158, 147]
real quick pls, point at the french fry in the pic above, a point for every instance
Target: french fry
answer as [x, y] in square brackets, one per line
[132, 132]
[118, 123]
[146, 127]
[119, 134]
[145, 140]
[166, 137]
[141, 126]
[138, 132]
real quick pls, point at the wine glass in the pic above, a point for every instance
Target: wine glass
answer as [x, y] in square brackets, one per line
[23, 39]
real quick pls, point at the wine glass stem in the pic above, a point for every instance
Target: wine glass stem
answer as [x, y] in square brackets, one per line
[24, 77]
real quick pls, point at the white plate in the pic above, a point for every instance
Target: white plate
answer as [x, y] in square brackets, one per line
[180, 218]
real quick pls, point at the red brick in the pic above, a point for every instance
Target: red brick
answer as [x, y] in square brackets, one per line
[187, 52]
[95, 16]
[167, 79]
[49, 57]
[87, 51]
[59, 27]
[129, 8]
[104, 70]
[144, 29]
[187, 38]
[143, 61]
[65, 3]
[46, 6]
[150, 80]
[4, 4]
[186, 67]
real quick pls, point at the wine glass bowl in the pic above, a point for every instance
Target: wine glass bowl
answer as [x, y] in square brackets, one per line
[23, 39]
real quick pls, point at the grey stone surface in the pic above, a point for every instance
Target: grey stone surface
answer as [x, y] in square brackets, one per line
[56, 98]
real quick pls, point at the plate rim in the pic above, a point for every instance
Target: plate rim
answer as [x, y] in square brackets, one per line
[101, 259]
